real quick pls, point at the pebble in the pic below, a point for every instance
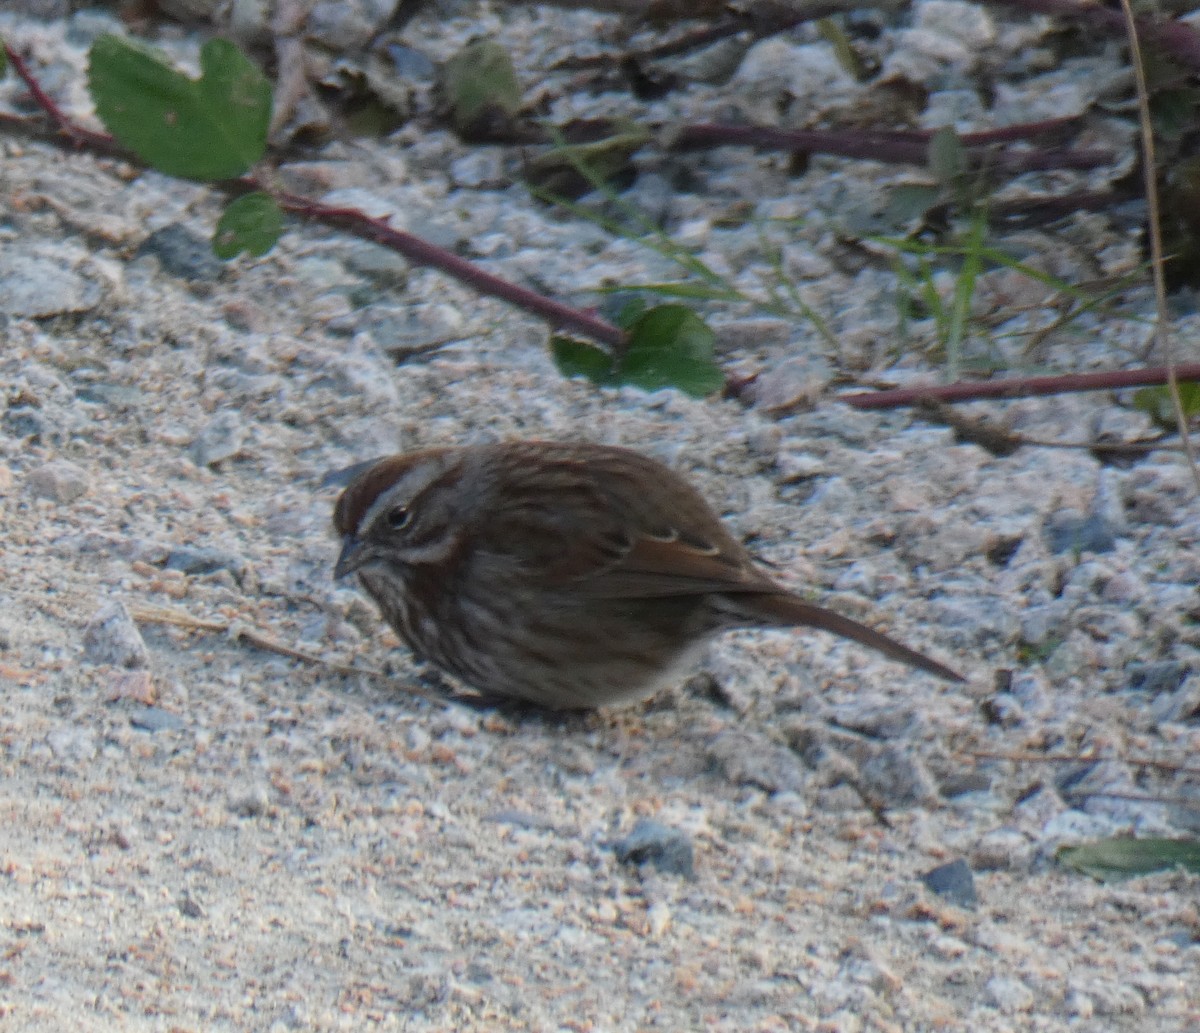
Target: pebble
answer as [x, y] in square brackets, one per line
[752, 760]
[1157, 677]
[198, 560]
[896, 777]
[34, 286]
[71, 743]
[953, 882]
[59, 481]
[112, 637]
[183, 253]
[659, 846]
[1009, 994]
[1069, 530]
[155, 719]
[250, 802]
[1002, 849]
[220, 439]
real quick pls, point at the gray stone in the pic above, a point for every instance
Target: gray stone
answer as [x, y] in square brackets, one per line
[196, 560]
[58, 481]
[35, 286]
[1070, 531]
[220, 439]
[111, 637]
[183, 253]
[154, 719]
[953, 882]
[655, 844]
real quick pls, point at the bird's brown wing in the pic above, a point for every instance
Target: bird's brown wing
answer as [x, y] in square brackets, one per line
[613, 524]
[660, 567]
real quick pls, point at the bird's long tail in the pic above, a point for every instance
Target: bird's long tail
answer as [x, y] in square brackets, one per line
[788, 611]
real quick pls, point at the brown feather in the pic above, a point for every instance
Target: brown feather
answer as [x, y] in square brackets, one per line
[654, 569]
[790, 611]
[566, 574]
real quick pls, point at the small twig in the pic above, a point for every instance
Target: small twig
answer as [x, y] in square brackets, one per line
[368, 227]
[1191, 802]
[1019, 387]
[1162, 335]
[77, 134]
[763, 19]
[239, 631]
[1113, 448]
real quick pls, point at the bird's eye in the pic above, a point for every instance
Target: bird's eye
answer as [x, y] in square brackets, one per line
[398, 518]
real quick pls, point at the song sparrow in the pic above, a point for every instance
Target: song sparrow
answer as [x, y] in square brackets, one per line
[567, 575]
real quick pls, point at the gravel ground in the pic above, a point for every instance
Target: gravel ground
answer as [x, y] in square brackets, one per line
[202, 834]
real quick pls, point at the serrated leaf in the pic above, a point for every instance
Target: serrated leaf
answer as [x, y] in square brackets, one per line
[480, 86]
[670, 346]
[1123, 858]
[1157, 404]
[575, 358]
[252, 223]
[214, 127]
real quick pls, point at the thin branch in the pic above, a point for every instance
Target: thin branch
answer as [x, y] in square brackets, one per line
[1162, 334]
[1019, 387]
[355, 221]
[368, 227]
[77, 134]
[240, 632]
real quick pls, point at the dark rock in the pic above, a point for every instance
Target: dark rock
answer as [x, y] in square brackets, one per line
[653, 843]
[1156, 677]
[153, 719]
[183, 253]
[194, 560]
[953, 882]
[1070, 531]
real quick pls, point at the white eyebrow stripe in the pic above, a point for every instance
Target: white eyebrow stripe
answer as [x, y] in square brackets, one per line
[402, 492]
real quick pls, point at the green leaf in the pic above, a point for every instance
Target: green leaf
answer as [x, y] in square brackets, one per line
[480, 85]
[252, 223]
[1156, 402]
[946, 156]
[670, 346]
[630, 308]
[576, 358]
[214, 127]
[838, 38]
[1123, 858]
[909, 202]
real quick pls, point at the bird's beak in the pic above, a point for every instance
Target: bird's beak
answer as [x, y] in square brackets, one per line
[352, 556]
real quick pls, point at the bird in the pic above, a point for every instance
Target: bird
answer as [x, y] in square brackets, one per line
[563, 574]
